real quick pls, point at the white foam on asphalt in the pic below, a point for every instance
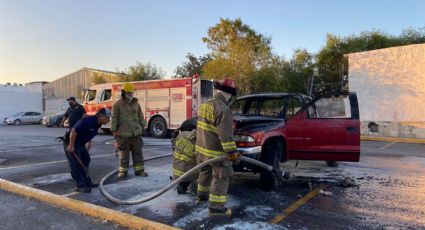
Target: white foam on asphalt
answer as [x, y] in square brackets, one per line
[50, 179]
[242, 225]
[200, 213]
[258, 212]
[197, 214]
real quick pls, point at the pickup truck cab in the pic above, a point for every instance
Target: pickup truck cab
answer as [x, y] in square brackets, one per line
[277, 127]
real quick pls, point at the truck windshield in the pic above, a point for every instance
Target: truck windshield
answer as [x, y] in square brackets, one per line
[90, 95]
[270, 107]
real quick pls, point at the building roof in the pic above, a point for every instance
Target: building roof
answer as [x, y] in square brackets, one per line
[388, 48]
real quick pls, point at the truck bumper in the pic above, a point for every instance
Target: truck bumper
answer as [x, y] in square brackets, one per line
[251, 152]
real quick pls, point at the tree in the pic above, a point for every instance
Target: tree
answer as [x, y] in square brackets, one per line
[333, 67]
[141, 72]
[239, 52]
[192, 66]
[300, 69]
[98, 79]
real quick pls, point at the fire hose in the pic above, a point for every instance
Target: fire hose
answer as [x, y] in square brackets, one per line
[175, 182]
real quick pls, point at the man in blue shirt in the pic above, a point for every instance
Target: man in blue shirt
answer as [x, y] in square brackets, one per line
[74, 113]
[77, 150]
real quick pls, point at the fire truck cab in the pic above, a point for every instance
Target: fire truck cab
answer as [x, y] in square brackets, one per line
[165, 103]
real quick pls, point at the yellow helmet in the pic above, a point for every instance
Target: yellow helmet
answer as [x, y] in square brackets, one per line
[128, 87]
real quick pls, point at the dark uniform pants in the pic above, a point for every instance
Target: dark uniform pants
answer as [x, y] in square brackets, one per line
[133, 144]
[213, 181]
[78, 173]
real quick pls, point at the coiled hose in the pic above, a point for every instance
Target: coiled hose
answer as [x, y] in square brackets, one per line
[175, 182]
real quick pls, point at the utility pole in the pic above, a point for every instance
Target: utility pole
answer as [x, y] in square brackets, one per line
[311, 81]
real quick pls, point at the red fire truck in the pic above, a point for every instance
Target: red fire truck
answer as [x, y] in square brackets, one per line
[165, 103]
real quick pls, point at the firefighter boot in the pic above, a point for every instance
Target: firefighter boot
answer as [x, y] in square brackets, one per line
[220, 212]
[182, 187]
[201, 200]
[141, 173]
[122, 175]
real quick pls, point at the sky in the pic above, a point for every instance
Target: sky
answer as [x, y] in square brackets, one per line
[42, 40]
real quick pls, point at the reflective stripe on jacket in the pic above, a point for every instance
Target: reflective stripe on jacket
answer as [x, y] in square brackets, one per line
[214, 128]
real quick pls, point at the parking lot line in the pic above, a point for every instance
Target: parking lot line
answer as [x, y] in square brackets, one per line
[61, 161]
[388, 145]
[102, 213]
[17, 150]
[396, 139]
[296, 205]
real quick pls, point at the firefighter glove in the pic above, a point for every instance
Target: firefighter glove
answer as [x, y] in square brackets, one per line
[233, 156]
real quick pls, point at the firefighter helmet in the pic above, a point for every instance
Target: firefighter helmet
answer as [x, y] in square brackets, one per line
[226, 85]
[128, 87]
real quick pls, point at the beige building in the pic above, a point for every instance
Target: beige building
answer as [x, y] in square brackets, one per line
[73, 84]
[390, 86]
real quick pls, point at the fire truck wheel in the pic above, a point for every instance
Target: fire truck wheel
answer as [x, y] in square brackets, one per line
[271, 155]
[158, 127]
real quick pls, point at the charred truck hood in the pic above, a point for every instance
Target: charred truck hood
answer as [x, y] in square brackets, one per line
[255, 123]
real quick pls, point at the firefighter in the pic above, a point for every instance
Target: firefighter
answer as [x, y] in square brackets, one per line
[215, 139]
[184, 155]
[127, 126]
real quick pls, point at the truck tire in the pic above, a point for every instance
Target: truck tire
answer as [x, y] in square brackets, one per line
[158, 127]
[271, 155]
[332, 164]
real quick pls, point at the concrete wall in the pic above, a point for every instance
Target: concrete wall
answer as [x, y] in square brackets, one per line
[16, 99]
[390, 85]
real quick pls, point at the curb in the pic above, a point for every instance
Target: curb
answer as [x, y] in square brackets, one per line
[123, 219]
[392, 139]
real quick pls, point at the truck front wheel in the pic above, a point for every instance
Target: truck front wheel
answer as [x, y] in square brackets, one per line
[158, 127]
[271, 155]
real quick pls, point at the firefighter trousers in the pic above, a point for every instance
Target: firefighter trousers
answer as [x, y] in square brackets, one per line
[213, 181]
[133, 145]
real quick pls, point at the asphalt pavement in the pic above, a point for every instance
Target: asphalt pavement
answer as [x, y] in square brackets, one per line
[385, 190]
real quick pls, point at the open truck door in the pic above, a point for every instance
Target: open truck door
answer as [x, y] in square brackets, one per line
[327, 128]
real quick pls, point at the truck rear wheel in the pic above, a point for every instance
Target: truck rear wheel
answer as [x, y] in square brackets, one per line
[271, 155]
[158, 127]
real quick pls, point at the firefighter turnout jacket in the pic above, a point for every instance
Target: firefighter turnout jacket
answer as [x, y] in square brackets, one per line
[184, 154]
[127, 118]
[215, 128]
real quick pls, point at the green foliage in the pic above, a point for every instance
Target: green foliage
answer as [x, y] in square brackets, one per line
[98, 79]
[192, 66]
[333, 66]
[239, 52]
[141, 72]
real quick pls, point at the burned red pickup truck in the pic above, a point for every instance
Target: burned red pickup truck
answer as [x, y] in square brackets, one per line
[277, 127]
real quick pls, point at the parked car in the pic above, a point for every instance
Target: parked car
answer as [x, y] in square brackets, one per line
[277, 127]
[23, 118]
[53, 120]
